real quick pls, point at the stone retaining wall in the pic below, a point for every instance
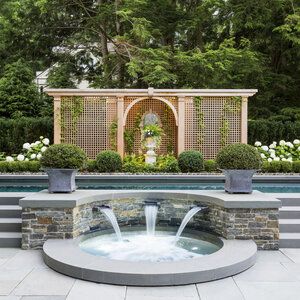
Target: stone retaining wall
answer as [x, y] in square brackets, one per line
[40, 224]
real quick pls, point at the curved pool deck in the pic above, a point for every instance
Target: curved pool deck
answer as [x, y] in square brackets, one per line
[65, 256]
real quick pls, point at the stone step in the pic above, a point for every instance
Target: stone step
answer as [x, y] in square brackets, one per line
[289, 240]
[12, 198]
[292, 201]
[289, 212]
[10, 239]
[9, 200]
[10, 211]
[289, 225]
[10, 224]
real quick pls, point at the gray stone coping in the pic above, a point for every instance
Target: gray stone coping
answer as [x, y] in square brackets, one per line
[255, 200]
[66, 257]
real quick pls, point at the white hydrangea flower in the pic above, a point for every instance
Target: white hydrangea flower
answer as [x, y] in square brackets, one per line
[26, 146]
[272, 146]
[296, 142]
[281, 156]
[37, 143]
[282, 143]
[271, 150]
[32, 145]
[262, 155]
[33, 156]
[41, 137]
[257, 144]
[270, 159]
[39, 155]
[20, 157]
[43, 149]
[273, 155]
[265, 148]
[289, 144]
[9, 158]
[276, 158]
[26, 159]
[46, 141]
[298, 149]
[283, 159]
[290, 159]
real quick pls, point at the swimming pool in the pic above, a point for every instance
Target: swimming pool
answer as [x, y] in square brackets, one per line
[263, 187]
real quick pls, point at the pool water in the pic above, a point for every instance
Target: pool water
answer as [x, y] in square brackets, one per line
[138, 246]
[263, 187]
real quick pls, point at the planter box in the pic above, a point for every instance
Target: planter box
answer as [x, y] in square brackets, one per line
[61, 180]
[238, 181]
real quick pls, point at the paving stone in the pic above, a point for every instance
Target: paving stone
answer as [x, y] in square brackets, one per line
[10, 298]
[272, 257]
[8, 252]
[44, 282]
[267, 272]
[43, 298]
[24, 259]
[293, 269]
[225, 289]
[9, 279]
[89, 290]
[293, 254]
[270, 290]
[187, 292]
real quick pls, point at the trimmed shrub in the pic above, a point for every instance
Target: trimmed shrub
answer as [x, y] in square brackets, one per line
[286, 166]
[16, 132]
[296, 166]
[210, 165]
[20, 166]
[274, 166]
[265, 167]
[167, 164]
[63, 156]
[109, 161]
[190, 161]
[239, 157]
[90, 166]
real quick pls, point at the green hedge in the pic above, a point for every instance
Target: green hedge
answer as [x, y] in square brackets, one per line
[168, 165]
[267, 131]
[20, 166]
[15, 132]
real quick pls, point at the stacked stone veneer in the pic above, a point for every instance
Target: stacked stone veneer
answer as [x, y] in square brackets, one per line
[40, 224]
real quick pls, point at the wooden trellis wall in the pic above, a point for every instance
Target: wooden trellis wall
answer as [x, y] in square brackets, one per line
[85, 117]
[208, 137]
[91, 130]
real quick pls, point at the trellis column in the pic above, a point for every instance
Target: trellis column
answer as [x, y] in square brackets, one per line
[244, 120]
[181, 125]
[120, 115]
[57, 120]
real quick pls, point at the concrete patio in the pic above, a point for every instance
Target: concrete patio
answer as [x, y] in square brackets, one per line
[23, 275]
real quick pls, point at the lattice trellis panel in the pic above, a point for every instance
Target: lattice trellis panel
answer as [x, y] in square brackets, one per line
[91, 131]
[169, 140]
[215, 110]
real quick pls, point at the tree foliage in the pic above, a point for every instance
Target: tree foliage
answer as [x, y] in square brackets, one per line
[161, 43]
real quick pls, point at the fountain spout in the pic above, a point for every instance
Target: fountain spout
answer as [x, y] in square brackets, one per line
[110, 216]
[193, 210]
[151, 209]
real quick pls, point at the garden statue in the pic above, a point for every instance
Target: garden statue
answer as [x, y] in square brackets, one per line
[151, 133]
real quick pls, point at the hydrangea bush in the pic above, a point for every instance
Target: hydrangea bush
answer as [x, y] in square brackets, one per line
[282, 151]
[31, 151]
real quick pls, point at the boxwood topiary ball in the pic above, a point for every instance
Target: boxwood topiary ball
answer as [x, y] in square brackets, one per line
[190, 161]
[109, 161]
[239, 157]
[63, 156]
